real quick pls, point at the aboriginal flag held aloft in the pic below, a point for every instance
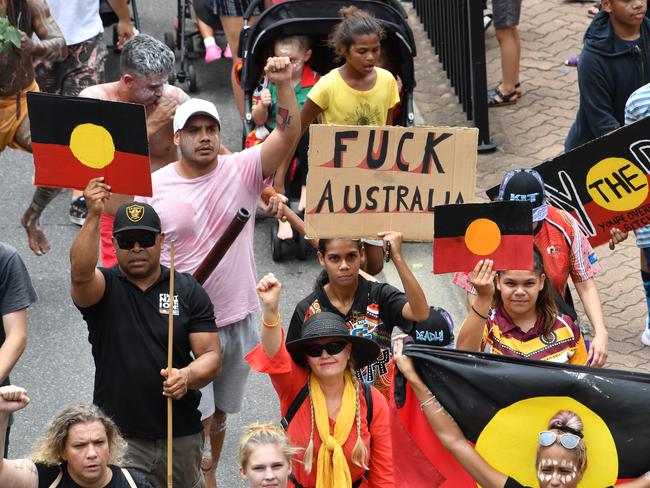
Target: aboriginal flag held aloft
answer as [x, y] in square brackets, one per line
[502, 404]
[75, 139]
[465, 233]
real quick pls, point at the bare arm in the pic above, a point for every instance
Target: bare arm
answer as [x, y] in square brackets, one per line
[445, 427]
[15, 326]
[280, 143]
[268, 289]
[19, 473]
[417, 308]
[51, 44]
[261, 110]
[125, 30]
[642, 482]
[470, 335]
[588, 292]
[88, 283]
[308, 114]
[206, 348]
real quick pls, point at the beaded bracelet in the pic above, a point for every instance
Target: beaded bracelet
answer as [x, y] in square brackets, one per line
[274, 324]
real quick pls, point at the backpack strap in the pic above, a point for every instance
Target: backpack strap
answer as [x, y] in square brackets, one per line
[129, 478]
[58, 479]
[295, 405]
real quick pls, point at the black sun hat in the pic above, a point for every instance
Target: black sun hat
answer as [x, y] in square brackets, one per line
[328, 325]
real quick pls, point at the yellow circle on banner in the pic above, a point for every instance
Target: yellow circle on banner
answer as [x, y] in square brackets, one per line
[92, 145]
[482, 237]
[617, 184]
[509, 441]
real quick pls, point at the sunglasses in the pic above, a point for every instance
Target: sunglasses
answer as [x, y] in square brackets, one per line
[315, 350]
[568, 441]
[126, 242]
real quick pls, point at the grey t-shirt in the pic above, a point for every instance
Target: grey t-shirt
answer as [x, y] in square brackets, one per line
[16, 290]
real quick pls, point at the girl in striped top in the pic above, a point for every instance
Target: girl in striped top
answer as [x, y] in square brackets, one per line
[515, 315]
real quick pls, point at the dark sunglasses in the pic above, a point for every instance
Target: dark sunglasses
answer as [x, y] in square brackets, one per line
[568, 441]
[315, 350]
[127, 241]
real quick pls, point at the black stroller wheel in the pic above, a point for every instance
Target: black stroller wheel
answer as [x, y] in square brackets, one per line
[170, 40]
[191, 77]
[276, 243]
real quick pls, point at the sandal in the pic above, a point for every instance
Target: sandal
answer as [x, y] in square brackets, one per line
[499, 99]
[493, 91]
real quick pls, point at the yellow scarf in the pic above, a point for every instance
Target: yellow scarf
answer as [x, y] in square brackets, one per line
[333, 470]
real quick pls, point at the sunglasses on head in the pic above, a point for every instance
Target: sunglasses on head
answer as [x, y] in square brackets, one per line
[315, 350]
[126, 242]
[568, 440]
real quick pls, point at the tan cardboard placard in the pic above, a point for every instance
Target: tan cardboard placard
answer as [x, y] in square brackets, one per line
[367, 179]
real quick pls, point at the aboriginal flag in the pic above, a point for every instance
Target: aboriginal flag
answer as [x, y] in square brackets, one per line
[502, 403]
[75, 139]
[465, 233]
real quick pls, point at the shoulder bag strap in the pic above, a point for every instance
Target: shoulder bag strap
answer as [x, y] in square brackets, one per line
[129, 478]
[295, 405]
[58, 479]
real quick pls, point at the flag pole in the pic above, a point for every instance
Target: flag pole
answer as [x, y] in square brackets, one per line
[170, 345]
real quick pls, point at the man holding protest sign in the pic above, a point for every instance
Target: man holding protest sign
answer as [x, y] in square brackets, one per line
[196, 198]
[127, 309]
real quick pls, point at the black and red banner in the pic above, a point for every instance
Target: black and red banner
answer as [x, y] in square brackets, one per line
[502, 403]
[603, 183]
[465, 233]
[75, 139]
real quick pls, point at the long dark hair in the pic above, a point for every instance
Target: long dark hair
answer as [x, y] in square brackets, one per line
[323, 278]
[545, 304]
[355, 23]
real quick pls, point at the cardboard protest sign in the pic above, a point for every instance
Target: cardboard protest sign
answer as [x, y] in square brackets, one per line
[501, 231]
[603, 183]
[365, 179]
[75, 139]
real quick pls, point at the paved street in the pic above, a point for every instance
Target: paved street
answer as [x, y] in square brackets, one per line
[57, 367]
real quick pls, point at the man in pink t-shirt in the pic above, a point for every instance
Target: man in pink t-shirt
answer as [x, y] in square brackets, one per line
[196, 198]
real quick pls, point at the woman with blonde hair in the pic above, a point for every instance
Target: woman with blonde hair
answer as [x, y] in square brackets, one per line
[341, 424]
[81, 448]
[265, 456]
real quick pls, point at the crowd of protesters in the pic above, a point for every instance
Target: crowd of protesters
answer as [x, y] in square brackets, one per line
[332, 363]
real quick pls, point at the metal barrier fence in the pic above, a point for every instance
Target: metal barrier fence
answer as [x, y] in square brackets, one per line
[455, 28]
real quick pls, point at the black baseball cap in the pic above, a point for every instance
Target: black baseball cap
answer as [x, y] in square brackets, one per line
[525, 185]
[136, 216]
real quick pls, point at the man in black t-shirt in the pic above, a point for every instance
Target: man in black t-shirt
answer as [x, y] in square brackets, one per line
[127, 310]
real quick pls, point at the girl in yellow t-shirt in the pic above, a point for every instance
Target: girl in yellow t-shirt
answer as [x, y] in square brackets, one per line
[359, 92]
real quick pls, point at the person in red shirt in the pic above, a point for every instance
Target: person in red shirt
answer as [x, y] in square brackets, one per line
[342, 444]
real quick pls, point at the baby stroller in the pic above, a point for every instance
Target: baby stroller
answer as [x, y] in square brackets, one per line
[187, 40]
[317, 19]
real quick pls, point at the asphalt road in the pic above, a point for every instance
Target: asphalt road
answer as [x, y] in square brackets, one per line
[57, 367]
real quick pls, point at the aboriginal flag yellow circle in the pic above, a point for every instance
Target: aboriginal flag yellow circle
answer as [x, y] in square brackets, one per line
[92, 145]
[482, 237]
[509, 441]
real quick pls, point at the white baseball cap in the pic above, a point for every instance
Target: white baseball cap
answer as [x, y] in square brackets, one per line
[192, 107]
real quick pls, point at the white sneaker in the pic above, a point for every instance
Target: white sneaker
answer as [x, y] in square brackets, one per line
[645, 338]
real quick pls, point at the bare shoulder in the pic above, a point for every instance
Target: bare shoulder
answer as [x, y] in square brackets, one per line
[174, 93]
[104, 91]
